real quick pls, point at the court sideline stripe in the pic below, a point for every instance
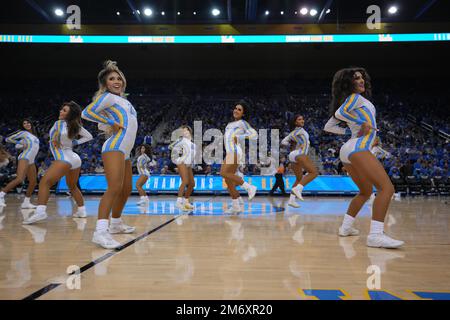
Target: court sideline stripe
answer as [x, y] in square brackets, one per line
[51, 286]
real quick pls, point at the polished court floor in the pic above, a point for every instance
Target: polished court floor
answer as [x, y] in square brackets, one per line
[271, 251]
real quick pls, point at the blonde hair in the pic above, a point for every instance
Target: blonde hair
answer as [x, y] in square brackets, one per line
[108, 67]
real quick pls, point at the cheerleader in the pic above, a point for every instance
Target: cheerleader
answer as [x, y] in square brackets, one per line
[299, 159]
[26, 140]
[183, 155]
[117, 117]
[351, 90]
[234, 131]
[144, 161]
[67, 163]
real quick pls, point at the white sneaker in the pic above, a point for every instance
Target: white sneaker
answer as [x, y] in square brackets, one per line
[121, 228]
[251, 192]
[105, 240]
[345, 232]
[182, 207]
[293, 204]
[234, 210]
[27, 205]
[189, 206]
[2, 202]
[38, 216]
[241, 201]
[80, 214]
[143, 201]
[381, 240]
[298, 192]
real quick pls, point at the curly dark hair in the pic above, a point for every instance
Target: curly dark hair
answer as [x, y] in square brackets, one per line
[247, 108]
[342, 86]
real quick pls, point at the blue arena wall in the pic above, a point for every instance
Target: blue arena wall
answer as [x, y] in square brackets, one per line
[338, 185]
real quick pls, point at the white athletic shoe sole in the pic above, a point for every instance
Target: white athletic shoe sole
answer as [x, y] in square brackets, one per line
[383, 241]
[35, 218]
[105, 240]
[348, 232]
[182, 207]
[251, 192]
[293, 204]
[80, 215]
[232, 210]
[28, 206]
[298, 193]
[122, 228]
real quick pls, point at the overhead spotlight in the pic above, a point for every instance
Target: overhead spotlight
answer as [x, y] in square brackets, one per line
[328, 11]
[138, 12]
[178, 13]
[148, 12]
[163, 13]
[267, 12]
[304, 11]
[393, 10]
[118, 13]
[281, 12]
[296, 12]
[215, 12]
[195, 13]
[59, 12]
[313, 12]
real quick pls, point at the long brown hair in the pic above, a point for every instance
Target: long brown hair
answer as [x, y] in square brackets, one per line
[148, 150]
[33, 128]
[342, 86]
[73, 119]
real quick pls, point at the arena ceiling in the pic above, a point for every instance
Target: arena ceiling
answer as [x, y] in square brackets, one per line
[229, 11]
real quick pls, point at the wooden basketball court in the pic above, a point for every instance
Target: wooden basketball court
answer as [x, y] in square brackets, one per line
[271, 251]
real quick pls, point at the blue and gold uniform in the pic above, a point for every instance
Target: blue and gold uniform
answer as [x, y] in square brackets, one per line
[239, 129]
[301, 139]
[63, 151]
[355, 111]
[28, 142]
[107, 109]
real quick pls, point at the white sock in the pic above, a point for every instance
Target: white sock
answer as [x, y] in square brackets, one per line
[81, 209]
[292, 197]
[245, 185]
[235, 203]
[143, 197]
[180, 200]
[2, 194]
[41, 209]
[116, 221]
[102, 225]
[300, 187]
[376, 227]
[186, 200]
[26, 200]
[348, 221]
